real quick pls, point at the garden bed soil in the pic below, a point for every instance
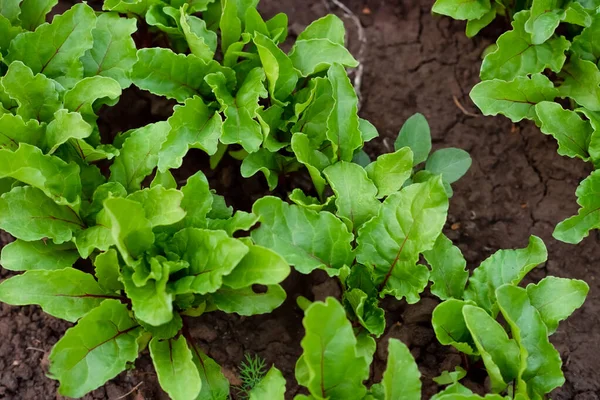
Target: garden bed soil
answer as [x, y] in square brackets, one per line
[517, 186]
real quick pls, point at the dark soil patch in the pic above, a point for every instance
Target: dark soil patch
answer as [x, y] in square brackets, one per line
[517, 186]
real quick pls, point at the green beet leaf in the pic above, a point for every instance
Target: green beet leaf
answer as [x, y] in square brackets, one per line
[66, 126]
[367, 311]
[401, 379]
[161, 206]
[28, 214]
[197, 201]
[34, 12]
[308, 240]
[450, 326]
[330, 366]
[246, 301]
[98, 237]
[175, 368]
[108, 271]
[65, 293]
[451, 163]
[312, 158]
[581, 83]
[10, 10]
[585, 45]
[448, 269]
[515, 99]
[55, 49]
[14, 130]
[114, 51]
[214, 384]
[570, 131]
[500, 354]
[557, 298]
[460, 9]
[280, 72]
[544, 19]
[416, 135]
[390, 171]
[517, 55]
[241, 221]
[356, 194]
[259, 266]
[270, 164]
[87, 94]
[202, 42]
[96, 350]
[476, 25]
[408, 224]
[271, 386]
[25, 256]
[503, 267]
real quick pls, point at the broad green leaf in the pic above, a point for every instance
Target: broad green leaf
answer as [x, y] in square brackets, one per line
[367, 311]
[260, 266]
[36, 95]
[343, 123]
[575, 229]
[139, 155]
[24, 256]
[544, 19]
[313, 159]
[175, 76]
[33, 12]
[500, 354]
[14, 130]
[55, 49]
[451, 163]
[230, 24]
[448, 269]
[65, 126]
[390, 171]
[202, 42]
[65, 293]
[461, 9]
[581, 83]
[83, 96]
[281, 74]
[540, 369]
[586, 45]
[214, 384]
[114, 51]
[11, 9]
[408, 224]
[28, 214]
[516, 55]
[197, 200]
[162, 206]
[415, 133]
[96, 350]
[175, 368]
[108, 271]
[474, 26]
[557, 298]
[515, 99]
[332, 367]
[570, 131]
[246, 301]
[503, 267]
[450, 327]
[271, 386]
[329, 27]
[211, 255]
[306, 239]
[241, 221]
[131, 230]
[401, 379]
[356, 194]
[240, 125]
[270, 164]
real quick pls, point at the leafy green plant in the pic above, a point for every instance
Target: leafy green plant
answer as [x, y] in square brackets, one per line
[530, 67]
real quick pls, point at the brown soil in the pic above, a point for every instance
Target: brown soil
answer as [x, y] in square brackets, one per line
[517, 186]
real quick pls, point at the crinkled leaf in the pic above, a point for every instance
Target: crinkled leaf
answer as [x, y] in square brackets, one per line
[66, 126]
[241, 221]
[390, 171]
[202, 42]
[10, 9]
[175, 368]
[448, 269]
[367, 311]
[108, 271]
[246, 301]
[65, 293]
[259, 266]
[96, 350]
[14, 130]
[197, 200]
[162, 206]
[581, 83]
[544, 19]
[416, 135]
[408, 224]
[98, 237]
[281, 74]
[312, 158]
[586, 45]
[306, 239]
[270, 164]
[83, 96]
[24, 256]
[34, 12]
[138, 7]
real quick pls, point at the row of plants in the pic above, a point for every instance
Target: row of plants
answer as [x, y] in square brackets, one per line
[547, 70]
[164, 248]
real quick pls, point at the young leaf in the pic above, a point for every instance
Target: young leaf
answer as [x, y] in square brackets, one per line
[25, 256]
[197, 200]
[343, 123]
[114, 51]
[516, 55]
[34, 12]
[408, 224]
[401, 379]
[270, 164]
[202, 42]
[500, 354]
[81, 98]
[557, 298]
[230, 24]
[65, 293]
[585, 45]
[330, 366]
[544, 19]
[450, 326]
[260, 266]
[451, 163]
[214, 384]
[313, 159]
[474, 26]
[390, 171]
[10, 9]
[355, 193]
[515, 99]
[281, 74]
[162, 206]
[138, 7]
[306, 239]
[65, 126]
[175, 368]
[241, 221]
[246, 301]
[581, 83]
[460, 9]
[55, 49]
[108, 271]
[367, 311]
[503, 267]
[28, 214]
[570, 131]
[415, 133]
[448, 269]
[271, 387]
[96, 350]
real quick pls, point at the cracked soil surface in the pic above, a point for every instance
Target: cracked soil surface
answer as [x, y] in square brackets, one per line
[518, 186]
